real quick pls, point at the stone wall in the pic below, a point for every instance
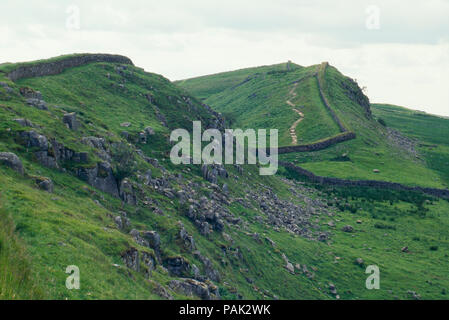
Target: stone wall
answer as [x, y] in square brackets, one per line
[44, 68]
[322, 70]
[440, 193]
[320, 145]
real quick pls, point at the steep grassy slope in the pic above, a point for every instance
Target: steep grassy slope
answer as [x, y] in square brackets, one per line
[261, 102]
[431, 133]
[253, 221]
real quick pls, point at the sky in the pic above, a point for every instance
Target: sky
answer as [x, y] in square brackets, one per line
[398, 50]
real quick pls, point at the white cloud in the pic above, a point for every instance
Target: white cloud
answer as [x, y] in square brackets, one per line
[404, 62]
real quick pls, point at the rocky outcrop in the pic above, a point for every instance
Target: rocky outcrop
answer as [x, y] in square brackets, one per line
[39, 104]
[191, 287]
[211, 172]
[33, 98]
[24, 122]
[70, 121]
[100, 145]
[139, 261]
[45, 184]
[126, 192]
[353, 92]
[177, 266]
[210, 271]
[131, 259]
[187, 240]
[122, 221]
[11, 160]
[58, 65]
[100, 177]
[207, 215]
[50, 154]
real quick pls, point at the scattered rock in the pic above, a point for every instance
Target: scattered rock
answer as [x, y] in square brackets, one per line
[376, 170]
[11, 160]
[70, 120]
[100, 177]
[126, 192]
[359, 261]
[46, 185]
[177, 266]
[162, 291]
[347, 228]
[332, 289]
[191, 287]
[125, 124]
[149, 131]
[414, 295]
[290, 267]
[188, 241]
[24, 122]
[39, 104]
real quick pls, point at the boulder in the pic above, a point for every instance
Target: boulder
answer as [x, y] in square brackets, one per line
[39, 104]
[24, 122]
[290, 267]
[359, 261]
[162, 291]
[70, 120]
[149, 131]
[177, 266]
[131, 259]
[127, 192]
[347, 228]
[100, 177]
[188, 241]
[332, 289]
[191, 287]
[46, 185]
[11, 160]
[30, 93]
[153, 238]
[209, 269]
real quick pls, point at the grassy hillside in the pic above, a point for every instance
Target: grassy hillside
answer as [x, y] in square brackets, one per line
[431, 132]
[261, 103]
[266, 237]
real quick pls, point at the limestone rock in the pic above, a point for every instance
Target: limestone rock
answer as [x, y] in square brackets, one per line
[70, 120]
[11, 160]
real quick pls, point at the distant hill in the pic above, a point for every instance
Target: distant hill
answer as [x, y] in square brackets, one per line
[272, 98]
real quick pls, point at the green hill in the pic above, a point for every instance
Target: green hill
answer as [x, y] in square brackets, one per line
[272, 99]
[86, 180]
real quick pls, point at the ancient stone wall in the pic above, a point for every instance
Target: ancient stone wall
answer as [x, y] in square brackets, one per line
[440, 193]
[40, 69]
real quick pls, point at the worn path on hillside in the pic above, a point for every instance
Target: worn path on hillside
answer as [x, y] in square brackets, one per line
[292, 129]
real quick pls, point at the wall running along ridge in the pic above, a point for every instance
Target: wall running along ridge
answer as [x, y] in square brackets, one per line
[440, 193]
[44, 68]
[345, 134]
[322, 71]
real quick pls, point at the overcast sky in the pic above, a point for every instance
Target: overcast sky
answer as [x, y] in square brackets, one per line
[399, 50]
